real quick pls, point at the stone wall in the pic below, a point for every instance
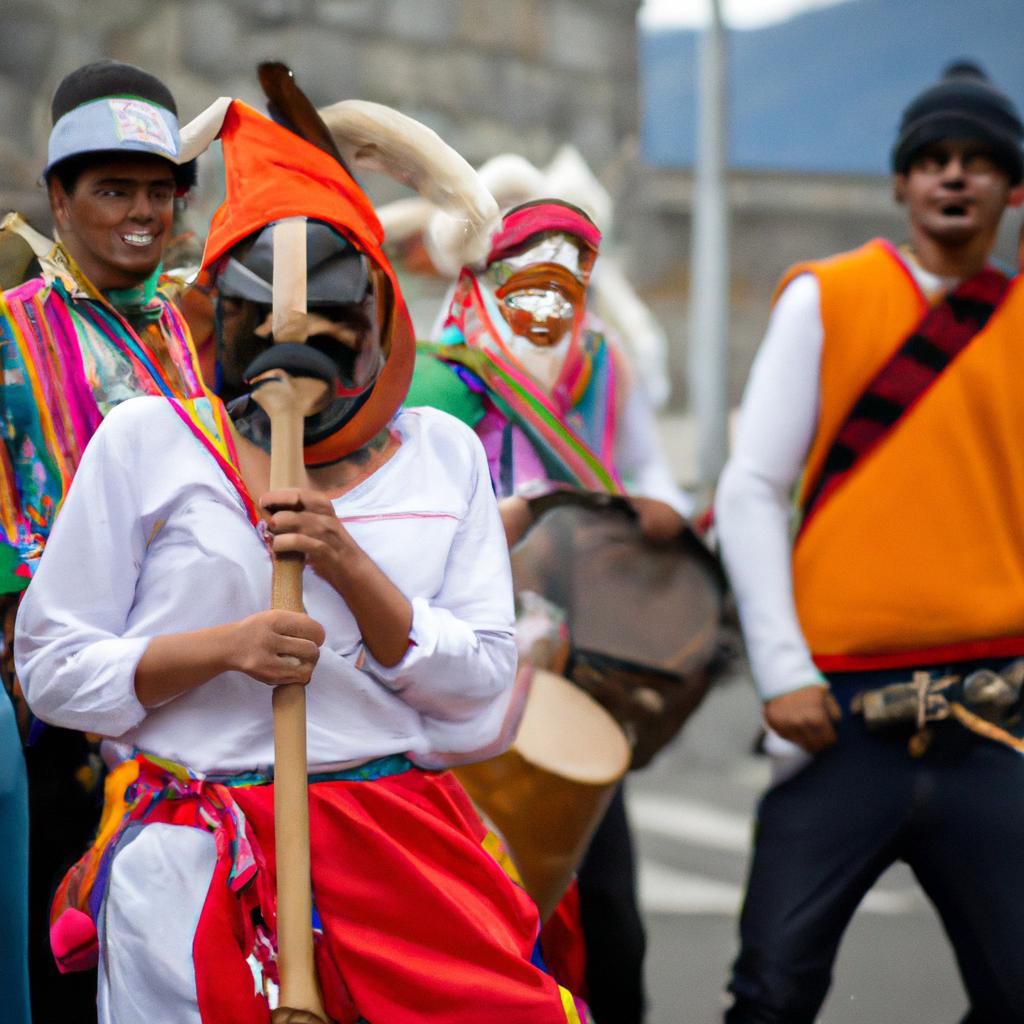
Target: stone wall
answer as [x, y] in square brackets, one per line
[487, 75]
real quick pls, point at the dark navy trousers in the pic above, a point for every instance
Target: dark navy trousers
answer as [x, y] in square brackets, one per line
[824, 836]
[613, 930]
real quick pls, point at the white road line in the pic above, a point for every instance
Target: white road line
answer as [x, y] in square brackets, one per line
[666, 890]
[888, 901]
[689, 821]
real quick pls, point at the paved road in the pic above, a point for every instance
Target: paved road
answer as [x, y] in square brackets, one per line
[691, 812]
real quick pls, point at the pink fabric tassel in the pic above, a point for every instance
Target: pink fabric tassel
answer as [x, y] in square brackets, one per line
[74, 941]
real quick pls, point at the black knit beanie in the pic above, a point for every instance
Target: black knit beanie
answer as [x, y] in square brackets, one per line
[108, 78]
[962, 104]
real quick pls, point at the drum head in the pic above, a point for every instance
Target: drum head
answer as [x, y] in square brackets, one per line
[644, 619]
[655, 606]
[567, 733]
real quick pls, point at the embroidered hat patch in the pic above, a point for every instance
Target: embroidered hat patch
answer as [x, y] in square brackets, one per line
[138, 121]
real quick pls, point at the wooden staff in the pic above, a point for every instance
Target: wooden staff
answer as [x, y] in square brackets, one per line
[288, 400]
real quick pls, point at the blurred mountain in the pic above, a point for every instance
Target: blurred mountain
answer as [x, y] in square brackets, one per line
[824, 90]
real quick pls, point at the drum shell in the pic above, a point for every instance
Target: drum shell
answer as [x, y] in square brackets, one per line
[545, 813]
[547, 823]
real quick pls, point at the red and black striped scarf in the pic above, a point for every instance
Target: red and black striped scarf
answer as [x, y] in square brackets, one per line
[943, 333]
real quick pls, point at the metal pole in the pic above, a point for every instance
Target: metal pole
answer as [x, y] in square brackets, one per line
[707, 366]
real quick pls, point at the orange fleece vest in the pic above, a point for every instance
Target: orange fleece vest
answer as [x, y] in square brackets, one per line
[918, 557]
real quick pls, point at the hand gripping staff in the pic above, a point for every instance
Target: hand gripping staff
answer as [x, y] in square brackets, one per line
[291, 382]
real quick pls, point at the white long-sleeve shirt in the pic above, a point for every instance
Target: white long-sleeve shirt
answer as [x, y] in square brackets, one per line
[753, 503]
[152, 540]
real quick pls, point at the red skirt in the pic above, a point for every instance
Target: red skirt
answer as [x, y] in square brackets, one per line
[418, 921]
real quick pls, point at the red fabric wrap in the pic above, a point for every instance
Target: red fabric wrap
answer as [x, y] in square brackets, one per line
[561, 942]
[420, 922]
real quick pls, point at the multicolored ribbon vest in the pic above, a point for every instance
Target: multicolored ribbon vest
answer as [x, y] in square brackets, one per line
[68, 357]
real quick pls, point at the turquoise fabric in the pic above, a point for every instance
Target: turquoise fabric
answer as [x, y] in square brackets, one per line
[369, 771]
[13, 870]
[141, 303]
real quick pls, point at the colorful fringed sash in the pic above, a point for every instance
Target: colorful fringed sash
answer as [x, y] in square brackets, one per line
[147, 789]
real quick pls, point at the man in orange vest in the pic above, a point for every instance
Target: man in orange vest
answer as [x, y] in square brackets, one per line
[885, 397]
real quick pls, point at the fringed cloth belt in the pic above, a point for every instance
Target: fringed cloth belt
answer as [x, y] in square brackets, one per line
[147, 789]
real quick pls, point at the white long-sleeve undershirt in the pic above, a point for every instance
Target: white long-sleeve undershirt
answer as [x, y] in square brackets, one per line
[639, 457]
[753, 504]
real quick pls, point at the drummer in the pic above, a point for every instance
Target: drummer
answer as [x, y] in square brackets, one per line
[553, 400]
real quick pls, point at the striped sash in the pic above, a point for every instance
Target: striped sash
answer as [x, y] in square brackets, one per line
[943, 333]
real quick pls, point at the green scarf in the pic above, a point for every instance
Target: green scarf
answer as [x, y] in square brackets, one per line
[141, 303]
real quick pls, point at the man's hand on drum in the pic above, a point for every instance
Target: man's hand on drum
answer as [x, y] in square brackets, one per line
[659, 522]
[804, 717]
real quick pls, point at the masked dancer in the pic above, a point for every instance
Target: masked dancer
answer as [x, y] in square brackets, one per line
[521, 361]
